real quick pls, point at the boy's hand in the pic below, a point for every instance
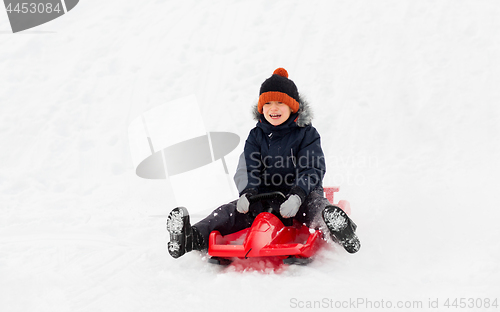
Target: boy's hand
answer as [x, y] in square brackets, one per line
[243, 204]
[290, 206]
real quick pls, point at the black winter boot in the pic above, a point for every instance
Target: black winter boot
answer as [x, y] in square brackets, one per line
[198, 240]
[342, 229]
[183, 237]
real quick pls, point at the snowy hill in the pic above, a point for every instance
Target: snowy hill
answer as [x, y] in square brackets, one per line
[405, 95]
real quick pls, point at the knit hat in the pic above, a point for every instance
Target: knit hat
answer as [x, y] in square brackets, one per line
[279, 88]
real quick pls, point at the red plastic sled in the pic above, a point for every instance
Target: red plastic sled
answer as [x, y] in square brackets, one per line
[269, 237]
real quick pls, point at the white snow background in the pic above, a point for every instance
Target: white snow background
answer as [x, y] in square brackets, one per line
[406, 97]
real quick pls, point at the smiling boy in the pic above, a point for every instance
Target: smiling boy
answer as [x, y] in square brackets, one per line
[283, 132]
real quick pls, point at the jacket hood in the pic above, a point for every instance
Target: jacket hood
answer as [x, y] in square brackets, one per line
[305, 113]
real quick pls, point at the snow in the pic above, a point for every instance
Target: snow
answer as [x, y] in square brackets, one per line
[406, 99]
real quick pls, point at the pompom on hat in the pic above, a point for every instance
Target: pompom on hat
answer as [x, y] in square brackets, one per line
[279, 88]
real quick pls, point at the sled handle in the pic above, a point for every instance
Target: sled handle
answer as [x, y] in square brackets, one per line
[280, 197]
[265, 196]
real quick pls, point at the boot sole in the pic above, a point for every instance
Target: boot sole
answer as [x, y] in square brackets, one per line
[177, 227]
[337, 222]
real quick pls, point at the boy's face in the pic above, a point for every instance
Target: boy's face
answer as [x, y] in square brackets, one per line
[276, 113]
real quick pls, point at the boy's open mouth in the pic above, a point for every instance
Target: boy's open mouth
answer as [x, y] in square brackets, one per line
[275, 116]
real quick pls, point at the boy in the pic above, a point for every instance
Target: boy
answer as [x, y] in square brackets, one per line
[282, 153]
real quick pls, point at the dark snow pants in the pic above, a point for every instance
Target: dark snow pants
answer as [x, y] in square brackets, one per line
[226, 219]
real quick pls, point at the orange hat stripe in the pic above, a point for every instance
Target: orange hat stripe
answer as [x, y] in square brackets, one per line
[279, 97]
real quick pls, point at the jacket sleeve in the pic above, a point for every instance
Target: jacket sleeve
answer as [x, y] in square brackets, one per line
[249, 166]
[310, 163]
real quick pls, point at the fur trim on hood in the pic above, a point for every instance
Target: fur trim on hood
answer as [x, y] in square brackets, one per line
[305, 113]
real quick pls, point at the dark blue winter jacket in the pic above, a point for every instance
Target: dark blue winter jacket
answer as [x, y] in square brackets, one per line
[286, 158]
